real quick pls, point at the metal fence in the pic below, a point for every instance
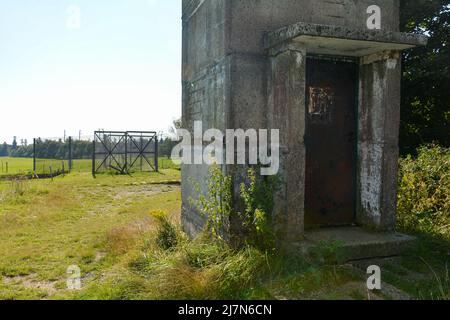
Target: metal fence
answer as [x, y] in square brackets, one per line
[117, 152]
[125, 152]
[53, 156]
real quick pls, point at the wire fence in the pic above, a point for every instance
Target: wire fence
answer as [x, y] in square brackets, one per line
[128, 152]
[53, 156]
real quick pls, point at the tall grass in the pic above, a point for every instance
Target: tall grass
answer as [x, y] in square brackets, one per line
[18, 187]
[204, 268]
[199, 269]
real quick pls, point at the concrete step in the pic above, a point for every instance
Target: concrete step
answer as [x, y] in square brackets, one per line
[358, 243]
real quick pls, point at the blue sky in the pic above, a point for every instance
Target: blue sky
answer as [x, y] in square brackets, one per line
[119, 69]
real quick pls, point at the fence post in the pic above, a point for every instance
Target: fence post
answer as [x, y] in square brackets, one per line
[125, 166]
[141, 150]
[70, 155]
[93, 157]
[34, 155]
[156, 154]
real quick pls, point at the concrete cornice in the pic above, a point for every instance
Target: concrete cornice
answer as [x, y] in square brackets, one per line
[292, 32]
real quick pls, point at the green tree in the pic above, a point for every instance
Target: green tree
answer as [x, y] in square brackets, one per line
[4, 150]
[14, 144]
[426, 75]
[166, 146]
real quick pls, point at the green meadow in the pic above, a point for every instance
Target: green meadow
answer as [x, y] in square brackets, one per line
[12, 166]
[19, 166]
[124, 234]
[47, 226]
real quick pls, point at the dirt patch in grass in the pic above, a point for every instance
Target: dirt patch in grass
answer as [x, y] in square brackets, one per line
[30, 282]
[130, 192]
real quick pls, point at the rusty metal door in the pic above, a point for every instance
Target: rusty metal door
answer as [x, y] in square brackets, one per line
[331, 137]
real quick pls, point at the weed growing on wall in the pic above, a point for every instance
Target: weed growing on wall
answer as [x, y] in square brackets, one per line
[257, 195]
[216, 205]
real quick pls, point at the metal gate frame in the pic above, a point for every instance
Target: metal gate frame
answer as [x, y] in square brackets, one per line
[135, 149]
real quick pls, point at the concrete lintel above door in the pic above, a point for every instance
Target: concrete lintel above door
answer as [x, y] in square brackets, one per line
[334, 40]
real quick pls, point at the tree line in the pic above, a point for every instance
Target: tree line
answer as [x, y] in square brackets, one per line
[426, 75]
[53, 149]
[4, 150]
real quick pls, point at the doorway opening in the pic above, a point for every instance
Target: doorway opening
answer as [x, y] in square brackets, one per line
[331, 140]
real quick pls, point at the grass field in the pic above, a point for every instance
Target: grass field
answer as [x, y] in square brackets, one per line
[47, 226]
[18, 166]
[15, 165]
[107, 227]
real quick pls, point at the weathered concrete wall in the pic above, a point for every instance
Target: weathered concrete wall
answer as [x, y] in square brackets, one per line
[286, 108]
[250, 19]
[379, 122]
[205, 80]
[229, 81]
[204, 35]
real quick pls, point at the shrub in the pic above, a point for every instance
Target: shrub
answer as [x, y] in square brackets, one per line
[216, 205]
[424, 197]
[258, 197]
[167, 236]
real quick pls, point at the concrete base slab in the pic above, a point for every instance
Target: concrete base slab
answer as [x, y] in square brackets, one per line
[358, 243]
